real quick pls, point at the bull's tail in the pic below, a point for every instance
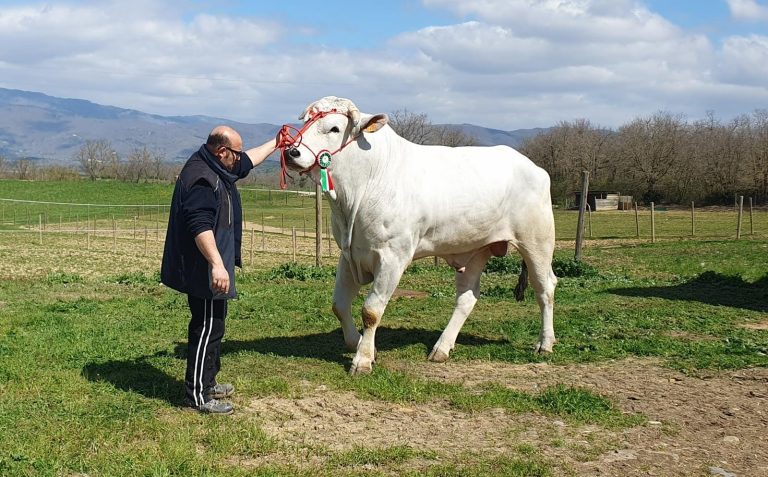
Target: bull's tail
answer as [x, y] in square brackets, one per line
[522, 283]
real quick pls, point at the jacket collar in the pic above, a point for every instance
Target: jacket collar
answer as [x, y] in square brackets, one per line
[216, 165]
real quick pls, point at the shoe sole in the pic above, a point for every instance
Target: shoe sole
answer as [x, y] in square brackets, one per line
[194, 409]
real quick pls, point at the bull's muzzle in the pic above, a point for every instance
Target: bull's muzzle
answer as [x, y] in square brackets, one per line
[290, 155]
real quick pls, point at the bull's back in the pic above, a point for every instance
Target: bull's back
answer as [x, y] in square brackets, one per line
[472, 196]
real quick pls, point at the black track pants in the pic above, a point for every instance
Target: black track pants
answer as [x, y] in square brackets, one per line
[206, 328]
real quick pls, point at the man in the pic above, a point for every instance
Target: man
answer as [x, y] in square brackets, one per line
[202, 248]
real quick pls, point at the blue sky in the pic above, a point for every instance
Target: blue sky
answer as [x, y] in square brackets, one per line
[505, 64]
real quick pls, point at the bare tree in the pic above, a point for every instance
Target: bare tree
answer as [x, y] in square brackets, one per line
[650, 150]
[95, 157]
[757, 153]
[417, 128]
[452, 136]
[58, 172]
[139, 164]
[570, 148]
[159, 171]
[411, 126]
[23, 169]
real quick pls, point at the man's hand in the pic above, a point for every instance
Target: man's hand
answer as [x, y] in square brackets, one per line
[220, 278]
[206, 243]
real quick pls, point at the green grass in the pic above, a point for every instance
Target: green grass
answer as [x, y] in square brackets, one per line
[92, 357]
[145, 206]
[123, 201]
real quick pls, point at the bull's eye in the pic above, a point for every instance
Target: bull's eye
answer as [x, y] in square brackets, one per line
[334, 129]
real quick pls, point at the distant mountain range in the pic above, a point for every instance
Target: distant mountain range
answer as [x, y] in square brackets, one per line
[51, 130]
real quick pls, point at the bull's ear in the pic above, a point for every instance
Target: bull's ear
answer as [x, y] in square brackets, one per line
[371, 124]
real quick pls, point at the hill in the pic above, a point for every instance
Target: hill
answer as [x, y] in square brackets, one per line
[51, 130]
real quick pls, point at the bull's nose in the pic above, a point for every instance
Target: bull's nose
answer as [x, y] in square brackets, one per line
[294, 153]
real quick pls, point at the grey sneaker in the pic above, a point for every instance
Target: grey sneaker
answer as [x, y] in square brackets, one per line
[214, 406]
[220, 391]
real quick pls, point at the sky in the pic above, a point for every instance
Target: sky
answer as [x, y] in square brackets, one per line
[503, 64]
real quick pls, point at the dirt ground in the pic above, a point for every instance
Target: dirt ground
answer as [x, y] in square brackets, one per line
[716, 425]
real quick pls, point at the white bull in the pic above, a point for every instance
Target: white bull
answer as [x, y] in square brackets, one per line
[393, 201]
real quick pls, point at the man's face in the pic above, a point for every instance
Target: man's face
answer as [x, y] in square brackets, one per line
[229, 156]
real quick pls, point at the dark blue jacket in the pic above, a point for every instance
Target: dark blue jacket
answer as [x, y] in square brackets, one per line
[205, 198]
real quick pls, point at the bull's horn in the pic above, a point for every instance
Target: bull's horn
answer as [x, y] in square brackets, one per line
[354, 114]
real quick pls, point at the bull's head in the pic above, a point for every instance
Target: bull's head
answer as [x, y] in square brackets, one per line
[330, 124]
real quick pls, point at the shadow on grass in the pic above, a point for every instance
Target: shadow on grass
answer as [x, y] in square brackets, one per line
[142, 377]
[138, 376]
[710, 288]
[330, 346]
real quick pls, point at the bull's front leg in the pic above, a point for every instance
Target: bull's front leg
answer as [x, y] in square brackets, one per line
[385, 281]
[344, 292]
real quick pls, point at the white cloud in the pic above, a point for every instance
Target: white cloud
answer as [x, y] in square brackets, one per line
[505, 64]
[748, 10]
[744, 60]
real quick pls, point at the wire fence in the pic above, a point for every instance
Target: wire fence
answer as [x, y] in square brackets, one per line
[280, 222]
[275, 222]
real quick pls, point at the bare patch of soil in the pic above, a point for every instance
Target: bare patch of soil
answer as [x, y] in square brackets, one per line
[403, 293]
[763, 325]
[693, 423]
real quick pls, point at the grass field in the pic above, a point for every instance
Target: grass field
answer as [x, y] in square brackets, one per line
[92, 363]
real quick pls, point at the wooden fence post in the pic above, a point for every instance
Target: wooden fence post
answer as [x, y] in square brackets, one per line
[653, 223]
[741, 210]
[637, 222]
[589, 217]
[157, 224]
[693, 220]
[293, 239]
[263, 248]
[751, 223]
[582, 207]
[251, 246]
[40, 228]
[318, 223]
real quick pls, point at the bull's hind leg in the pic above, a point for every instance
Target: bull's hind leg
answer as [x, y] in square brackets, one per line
[467, 293]
[386, 277]
[344, 292]
[543, 279]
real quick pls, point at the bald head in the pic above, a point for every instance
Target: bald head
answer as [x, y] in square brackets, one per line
[226, 144]
[224, 136]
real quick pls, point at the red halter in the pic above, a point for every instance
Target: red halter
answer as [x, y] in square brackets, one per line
[289, 136]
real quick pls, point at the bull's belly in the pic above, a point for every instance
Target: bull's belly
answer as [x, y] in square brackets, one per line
[461, 239]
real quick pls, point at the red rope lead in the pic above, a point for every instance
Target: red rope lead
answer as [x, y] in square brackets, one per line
[286, 139]
[290, 137]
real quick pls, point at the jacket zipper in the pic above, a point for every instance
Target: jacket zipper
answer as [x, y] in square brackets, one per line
[229, 200]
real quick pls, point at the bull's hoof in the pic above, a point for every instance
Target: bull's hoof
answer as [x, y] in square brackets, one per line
[360, 370]
[437, 356]
[545, 345]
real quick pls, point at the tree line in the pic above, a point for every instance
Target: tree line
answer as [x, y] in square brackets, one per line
[96, 159]
[661, 158]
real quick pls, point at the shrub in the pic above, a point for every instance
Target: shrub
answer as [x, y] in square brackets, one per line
[295, 271]
[569, 267]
